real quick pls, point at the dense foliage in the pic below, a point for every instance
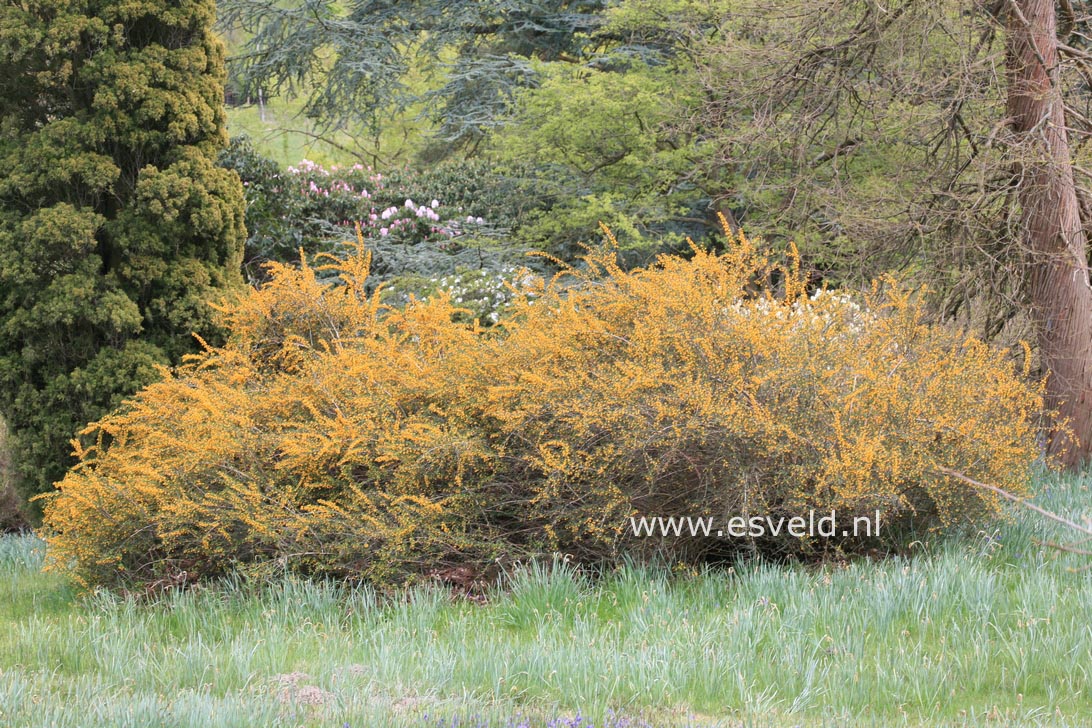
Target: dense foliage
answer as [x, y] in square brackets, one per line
[873, 140]
[458, 215]
[582, 97]
[116, 226]
[463, 237]
[359, 55]
[601, 139]
[334, 435]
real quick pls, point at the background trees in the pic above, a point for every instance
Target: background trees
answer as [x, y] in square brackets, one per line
[476, 54]
[1058, 285]
[941, 139]
[570, 98]
[116, 227]
[929, 137]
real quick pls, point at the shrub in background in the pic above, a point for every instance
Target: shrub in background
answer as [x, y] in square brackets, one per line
[457, 215]
[116, 227]
[334, 435]
[479, 295]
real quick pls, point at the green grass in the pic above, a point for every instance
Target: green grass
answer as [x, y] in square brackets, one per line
[969, 631]
[280, 132]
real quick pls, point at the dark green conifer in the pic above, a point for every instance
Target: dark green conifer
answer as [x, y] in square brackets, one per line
[116, 226]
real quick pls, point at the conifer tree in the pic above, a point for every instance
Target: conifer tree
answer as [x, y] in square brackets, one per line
[116, 226]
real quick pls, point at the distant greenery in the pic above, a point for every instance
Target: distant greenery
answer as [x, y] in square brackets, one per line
[273, 140]
[585, 97]
[280, 131]
[459, 62]
[654, 115]
[452, 218]
[987, 629]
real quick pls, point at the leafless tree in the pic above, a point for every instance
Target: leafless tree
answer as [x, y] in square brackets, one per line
[940, 137]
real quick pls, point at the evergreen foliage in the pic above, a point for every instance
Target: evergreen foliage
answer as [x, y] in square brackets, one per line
[116, 226]
[603, 148]
[583, 97]
[352, 59]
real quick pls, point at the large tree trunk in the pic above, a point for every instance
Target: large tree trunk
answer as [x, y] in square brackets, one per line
[1059, 284]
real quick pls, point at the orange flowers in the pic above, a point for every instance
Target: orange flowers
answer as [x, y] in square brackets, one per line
[335, 435]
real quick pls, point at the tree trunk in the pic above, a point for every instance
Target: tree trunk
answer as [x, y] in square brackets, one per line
[1059, 285]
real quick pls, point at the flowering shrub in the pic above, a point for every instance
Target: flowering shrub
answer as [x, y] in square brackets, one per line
[429, 222]
[334, 434]
[342, 196]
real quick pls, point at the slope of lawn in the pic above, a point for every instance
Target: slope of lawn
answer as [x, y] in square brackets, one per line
[986, 629]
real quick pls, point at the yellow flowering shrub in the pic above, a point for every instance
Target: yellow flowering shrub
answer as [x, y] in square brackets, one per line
[335, 435]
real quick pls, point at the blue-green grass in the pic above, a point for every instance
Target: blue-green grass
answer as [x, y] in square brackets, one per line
[986, 629]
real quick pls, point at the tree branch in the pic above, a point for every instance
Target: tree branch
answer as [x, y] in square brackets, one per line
[1016, 499]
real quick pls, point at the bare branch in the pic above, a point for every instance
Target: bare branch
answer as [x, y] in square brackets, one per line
[1016, 499]
[1067, 21]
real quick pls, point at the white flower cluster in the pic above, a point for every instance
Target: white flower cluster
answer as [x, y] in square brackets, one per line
[306, 166]
[486, 293]
[823, 309]
[426, 211]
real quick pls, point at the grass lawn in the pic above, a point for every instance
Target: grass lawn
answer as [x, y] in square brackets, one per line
[976, 630]
[282, 134]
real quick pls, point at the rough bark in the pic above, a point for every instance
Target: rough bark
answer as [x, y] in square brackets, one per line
[1059, 280]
